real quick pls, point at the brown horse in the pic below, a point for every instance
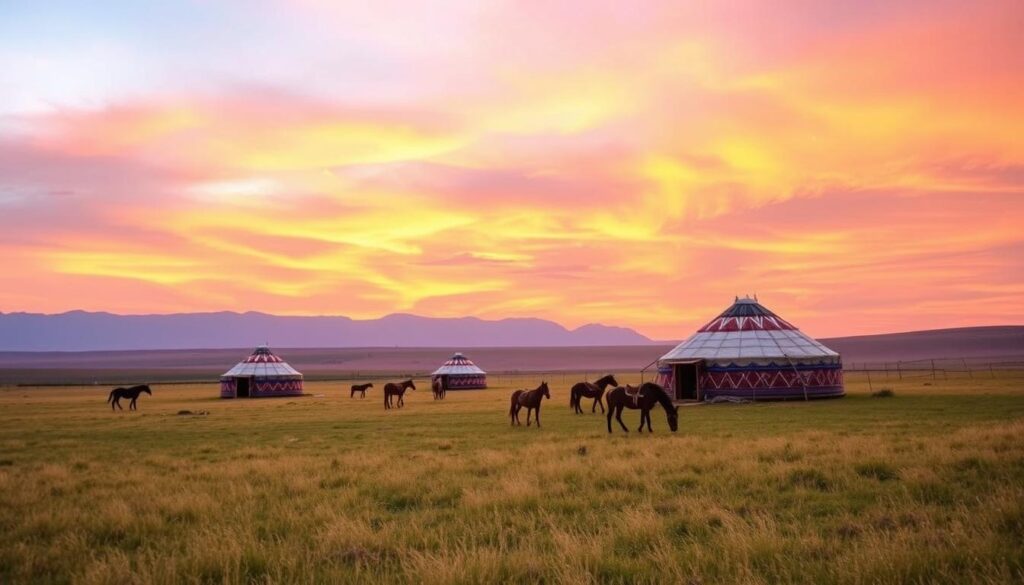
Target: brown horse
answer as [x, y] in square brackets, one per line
[361, 388]
[531, 400]
[438, 387]
[393, 389]
[115, 396]
[643, 398]
[588, 390]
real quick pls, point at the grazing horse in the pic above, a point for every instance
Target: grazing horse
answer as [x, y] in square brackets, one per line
[393, 389]
[531, 400]
[438, 387]
[361, 388]
[118, 393]
[643, 398]
[588, 390]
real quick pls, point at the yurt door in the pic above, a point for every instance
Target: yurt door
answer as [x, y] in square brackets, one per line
[242, 387]
[686, 380]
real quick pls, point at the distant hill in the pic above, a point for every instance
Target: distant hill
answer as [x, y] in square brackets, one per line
[962, 342]
[85, 331]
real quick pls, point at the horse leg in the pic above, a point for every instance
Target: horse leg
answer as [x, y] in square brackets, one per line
[538, 416]
[593, 407]
[609, 418]
[131, 405]
[600, 402]
[618, 417]
[529, 411]
[643, 417]
[117, 401]
[649, 429]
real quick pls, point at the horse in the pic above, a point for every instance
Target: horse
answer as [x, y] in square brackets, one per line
[361, 388]
[438, 387]
[590, 390]
[393, 389]
[118, 393]
[643, 398]
[531, 399]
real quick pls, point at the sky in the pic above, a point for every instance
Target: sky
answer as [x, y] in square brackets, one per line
[857, 165]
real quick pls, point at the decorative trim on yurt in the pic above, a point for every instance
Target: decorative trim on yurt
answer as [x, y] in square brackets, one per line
[262, 374]
[751, 353]
[459, 373]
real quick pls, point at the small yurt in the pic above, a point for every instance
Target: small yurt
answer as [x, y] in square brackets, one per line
[459, 373]
[259, 375]
[751, 353]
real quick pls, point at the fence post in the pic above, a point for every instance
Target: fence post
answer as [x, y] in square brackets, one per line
[870, 387]
[933, 369]
[991, 371]
[899, 371]
[970, 374]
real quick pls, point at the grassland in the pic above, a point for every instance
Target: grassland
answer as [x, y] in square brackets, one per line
[923, 487]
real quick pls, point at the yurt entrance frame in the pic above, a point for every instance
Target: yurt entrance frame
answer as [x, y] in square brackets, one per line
[686, 379]
[243, 387]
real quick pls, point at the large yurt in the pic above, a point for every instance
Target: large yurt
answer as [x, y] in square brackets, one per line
[751, 353]
[259, 375]
[459, 373]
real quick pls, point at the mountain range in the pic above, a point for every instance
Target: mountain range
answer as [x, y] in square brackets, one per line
[88, 331]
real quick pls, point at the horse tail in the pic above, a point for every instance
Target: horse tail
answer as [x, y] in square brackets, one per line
[572, 396]
[512, 406]
[110, 397]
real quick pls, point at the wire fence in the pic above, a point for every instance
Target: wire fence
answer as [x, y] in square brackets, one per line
[876, 372]
[941, 368]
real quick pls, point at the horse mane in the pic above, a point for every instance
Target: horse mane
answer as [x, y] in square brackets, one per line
[659, 392]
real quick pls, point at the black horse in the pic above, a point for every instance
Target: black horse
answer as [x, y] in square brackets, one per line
[531, 399]
[361, 388]
[643, 398]
[393, 389]
[118, 393]
[590, 390]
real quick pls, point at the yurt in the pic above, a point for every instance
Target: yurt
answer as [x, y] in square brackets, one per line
[459, 373]
[750, 352]
[259, 375]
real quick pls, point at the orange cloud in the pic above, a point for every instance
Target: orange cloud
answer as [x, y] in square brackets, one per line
[860, 174]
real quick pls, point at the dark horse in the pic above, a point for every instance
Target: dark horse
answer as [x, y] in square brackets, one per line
[438, 387]
[588, 390]
[643, 398]
[118, 393]
[393, 389]
[361, 388]
[531, 400]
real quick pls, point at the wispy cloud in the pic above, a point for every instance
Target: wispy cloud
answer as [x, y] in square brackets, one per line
[860, 168]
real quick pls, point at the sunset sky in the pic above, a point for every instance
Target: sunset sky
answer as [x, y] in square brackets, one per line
[857, 165]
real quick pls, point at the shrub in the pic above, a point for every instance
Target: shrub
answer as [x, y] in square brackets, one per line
[878, 470]
[883, 393]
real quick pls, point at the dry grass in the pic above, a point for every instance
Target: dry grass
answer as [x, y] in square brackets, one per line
[925, 487]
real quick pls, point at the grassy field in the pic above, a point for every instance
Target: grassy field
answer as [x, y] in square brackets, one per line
[923, 487]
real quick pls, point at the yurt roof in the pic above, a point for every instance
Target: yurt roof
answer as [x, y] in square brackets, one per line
[458, 365]
[747, 330]
[262, 363]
